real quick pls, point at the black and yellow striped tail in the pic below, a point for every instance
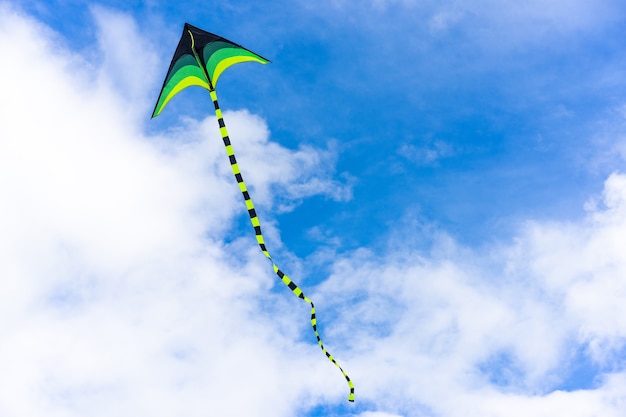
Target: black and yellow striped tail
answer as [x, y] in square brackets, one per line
[259, 237]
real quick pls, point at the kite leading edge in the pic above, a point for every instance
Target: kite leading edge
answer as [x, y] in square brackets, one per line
[199, 60]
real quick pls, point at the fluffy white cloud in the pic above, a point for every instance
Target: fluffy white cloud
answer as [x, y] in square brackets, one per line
[118, 295]
[459, 332]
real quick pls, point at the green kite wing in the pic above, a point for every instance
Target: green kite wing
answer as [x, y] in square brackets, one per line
[200, 59]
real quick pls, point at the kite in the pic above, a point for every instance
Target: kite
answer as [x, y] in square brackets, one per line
[199, 60]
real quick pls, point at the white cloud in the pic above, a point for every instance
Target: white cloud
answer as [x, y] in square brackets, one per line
[119, 296]
[583, 264]
[495, 330]
[123, 44]
[278, 174]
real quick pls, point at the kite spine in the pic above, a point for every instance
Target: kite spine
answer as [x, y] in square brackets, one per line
[256, 224]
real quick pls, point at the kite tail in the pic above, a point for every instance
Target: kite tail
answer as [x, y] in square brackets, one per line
[259, 237]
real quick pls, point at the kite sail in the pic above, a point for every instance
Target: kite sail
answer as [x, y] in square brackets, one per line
[199, 60]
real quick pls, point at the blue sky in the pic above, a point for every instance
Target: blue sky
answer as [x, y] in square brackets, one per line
[444, 179]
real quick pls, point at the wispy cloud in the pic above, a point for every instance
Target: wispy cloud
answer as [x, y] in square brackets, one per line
[429, 153]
